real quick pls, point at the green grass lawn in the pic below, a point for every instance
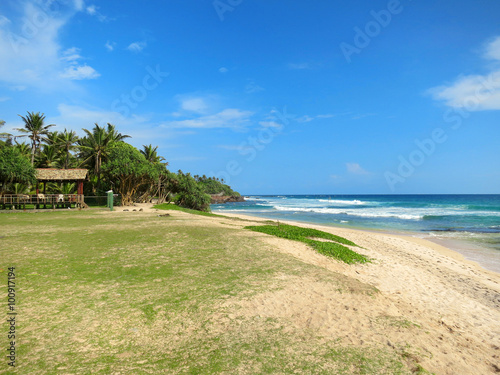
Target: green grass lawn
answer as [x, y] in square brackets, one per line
[104, 293]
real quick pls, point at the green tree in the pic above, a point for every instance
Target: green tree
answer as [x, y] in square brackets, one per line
[4, 135]
[128, 169]
[190, 194]
[67, 142]
[14, 167]
[94, 147]
[35, 130]
[151, 154]
[49, 157]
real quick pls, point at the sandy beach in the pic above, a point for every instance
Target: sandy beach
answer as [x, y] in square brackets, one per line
[443, 308]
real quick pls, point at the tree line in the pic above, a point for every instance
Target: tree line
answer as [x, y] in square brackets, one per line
[137, 175]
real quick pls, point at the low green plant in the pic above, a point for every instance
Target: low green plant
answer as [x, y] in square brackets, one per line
[334, 246]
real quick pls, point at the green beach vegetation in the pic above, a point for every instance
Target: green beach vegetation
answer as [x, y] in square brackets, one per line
[331, 245]
[113, 164]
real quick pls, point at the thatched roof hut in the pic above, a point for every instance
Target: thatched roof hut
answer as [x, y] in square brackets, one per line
[51, 174]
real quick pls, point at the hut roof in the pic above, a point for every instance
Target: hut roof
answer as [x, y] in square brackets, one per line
[50, 174]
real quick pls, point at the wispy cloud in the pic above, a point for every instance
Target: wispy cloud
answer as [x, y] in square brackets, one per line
[227, 118]
[223, 70]
[21, 65]
[307, 118]
[194, 104]
[252, 87]
[475, 92]
[356, 169]
[80, 72]
[136, 46]
[110, 46]
[78, 117]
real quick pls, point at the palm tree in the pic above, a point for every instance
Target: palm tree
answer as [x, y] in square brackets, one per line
[114, 135]
[49, 157]
[24, 149]
[4, 135]
[95, 145]
[67, 141]
[36, 130]
[151, 155]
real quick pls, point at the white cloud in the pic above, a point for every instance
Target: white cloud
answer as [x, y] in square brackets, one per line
[223, 70]
[4, 98]
[252, 87]
[355, 168]
[271, 124]
[4, 21]
[198, 105]
[493, 49]
[228, 118]
[110, 46]
[37, 59]
[80, 72]
[79, 4]
[92, 10]
[307, 118]
[140, 128]
[71, 55]
[136, 46]
[474, 92]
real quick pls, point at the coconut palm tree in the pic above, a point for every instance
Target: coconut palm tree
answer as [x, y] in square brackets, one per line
[49, 157]
[24, 149]
[67, 141]
[95, 145]
[4, 135]
[35, 130]
[151, 155]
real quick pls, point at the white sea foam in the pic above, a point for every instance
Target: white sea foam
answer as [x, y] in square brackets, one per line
[344, 202]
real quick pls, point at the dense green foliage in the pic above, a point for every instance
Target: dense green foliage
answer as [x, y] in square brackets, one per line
[137, 175]
[14, 167]
[308, 235]
[189, 193]
[128, 170]
[212, 185]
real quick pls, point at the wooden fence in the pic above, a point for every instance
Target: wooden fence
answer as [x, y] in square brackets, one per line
[23, 201]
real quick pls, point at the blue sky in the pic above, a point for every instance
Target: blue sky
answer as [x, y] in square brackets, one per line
[281, 97]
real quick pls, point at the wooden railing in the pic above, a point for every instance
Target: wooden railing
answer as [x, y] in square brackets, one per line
[41, 200]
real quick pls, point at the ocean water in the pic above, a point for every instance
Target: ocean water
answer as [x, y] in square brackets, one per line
[469, 224]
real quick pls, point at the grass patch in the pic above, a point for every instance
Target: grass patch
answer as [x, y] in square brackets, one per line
[142, 295]
[335, 249]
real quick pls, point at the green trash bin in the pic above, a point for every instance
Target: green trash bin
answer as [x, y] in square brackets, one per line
[110, 200]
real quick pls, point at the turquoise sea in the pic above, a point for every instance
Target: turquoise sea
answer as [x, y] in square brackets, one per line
[469, 224]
